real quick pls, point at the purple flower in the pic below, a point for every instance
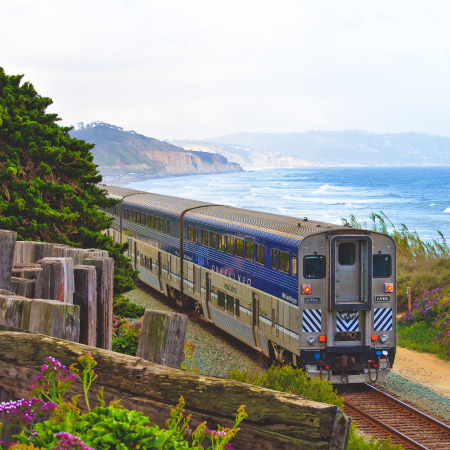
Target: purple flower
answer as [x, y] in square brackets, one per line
[68, 441]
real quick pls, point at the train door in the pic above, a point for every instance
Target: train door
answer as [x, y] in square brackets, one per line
[351, 272]
[350, 288]
[255, 320]
[197, 281]
[208, 295]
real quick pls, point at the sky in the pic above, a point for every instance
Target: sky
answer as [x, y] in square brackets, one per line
[197, 69]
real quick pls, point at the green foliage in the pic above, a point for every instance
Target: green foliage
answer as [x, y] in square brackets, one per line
[113, 426]
[297, 381]
[49, 181]
[125, 335]
[188, 362]
[124, 308]
[292, 380]
[356, 442]
[426, 326]
[420, 276]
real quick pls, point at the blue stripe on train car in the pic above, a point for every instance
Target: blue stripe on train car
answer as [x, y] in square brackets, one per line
[382, 319]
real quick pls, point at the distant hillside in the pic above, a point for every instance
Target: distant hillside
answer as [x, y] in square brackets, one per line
[246, 157]
[340, 147]
[119, 152]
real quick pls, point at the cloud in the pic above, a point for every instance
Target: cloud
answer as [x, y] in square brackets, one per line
[179, 69]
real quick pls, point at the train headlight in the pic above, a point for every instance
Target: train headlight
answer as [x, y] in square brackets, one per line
[352, 315]
[311, 340]
[383, 338]
[344, 316]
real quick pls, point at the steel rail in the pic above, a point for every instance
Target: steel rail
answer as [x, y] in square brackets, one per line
[411, 409]
[411, 412]
[391, 431]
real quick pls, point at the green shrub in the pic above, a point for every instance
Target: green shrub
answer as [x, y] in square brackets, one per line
[356, 442]
[125, 336]
[292, 380]
[123, 307]
[426, 326]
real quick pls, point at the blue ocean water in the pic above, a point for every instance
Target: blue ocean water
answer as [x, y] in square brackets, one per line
[418, 197]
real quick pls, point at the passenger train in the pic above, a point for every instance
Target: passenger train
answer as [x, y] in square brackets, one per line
[316, 295]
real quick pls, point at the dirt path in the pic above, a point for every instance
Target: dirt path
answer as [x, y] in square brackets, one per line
[423, 368]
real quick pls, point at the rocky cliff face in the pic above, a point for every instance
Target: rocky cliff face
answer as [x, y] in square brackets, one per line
[118, 153]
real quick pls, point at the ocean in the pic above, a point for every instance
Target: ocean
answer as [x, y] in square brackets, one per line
[418, 197]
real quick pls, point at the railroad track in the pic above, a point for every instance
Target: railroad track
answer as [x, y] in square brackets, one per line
[382, 415]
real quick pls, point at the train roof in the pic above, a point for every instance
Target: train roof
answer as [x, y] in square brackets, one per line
[290, 227]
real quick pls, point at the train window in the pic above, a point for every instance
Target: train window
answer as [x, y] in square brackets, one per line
[126, 213]
[239, 245]
[149, 221]
[294, 265]
[238, 309]
[192, 234]
[347, 254]
[382, 266]
[283, 263]
[168, 226]
[221, 299]
[133, 216]
[260, 256]
[249, 250]
[314, 266]
[230, 303]
[230, 245]
[274, 259]
[205, 238]
[221, 242]
[160, 224]
[212, 240]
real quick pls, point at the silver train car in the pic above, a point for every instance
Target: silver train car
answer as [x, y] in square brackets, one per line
[312, 294]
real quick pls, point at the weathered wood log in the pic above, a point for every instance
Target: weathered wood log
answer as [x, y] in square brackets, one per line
[85, 297]
[105, 284]
[162, 337]
[7, 244]
[48, 317]
[275, 420]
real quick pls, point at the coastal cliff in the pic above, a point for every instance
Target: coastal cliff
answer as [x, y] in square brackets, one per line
[121, 153]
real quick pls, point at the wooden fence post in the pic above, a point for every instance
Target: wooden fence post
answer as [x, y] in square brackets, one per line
[7, 244]
[162, 337]
[86, 298]
[105, 274]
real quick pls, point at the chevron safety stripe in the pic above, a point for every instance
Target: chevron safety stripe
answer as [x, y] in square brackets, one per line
[382, 319]
[347, 325]
[312, 320]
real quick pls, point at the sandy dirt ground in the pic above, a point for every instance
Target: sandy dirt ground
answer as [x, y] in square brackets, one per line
[424, 369]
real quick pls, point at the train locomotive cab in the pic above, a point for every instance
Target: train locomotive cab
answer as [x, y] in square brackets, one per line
[347, 306]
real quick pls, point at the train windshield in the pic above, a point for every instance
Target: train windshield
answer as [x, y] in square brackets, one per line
[382, 266]
[314, 266]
